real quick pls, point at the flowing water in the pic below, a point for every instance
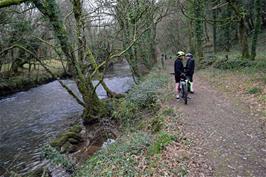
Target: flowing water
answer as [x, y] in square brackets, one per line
[29, 120]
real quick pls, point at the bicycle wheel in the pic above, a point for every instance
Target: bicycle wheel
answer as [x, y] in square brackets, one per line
[185, 92]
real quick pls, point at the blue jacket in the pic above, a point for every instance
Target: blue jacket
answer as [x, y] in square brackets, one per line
[190, 67]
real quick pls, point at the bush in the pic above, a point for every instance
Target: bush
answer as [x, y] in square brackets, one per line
[118, 158]
[236, 63]
[207, 62]
[232, 62]
[142, 96]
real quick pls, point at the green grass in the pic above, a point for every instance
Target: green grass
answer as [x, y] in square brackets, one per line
[254, 90]
[161, 141]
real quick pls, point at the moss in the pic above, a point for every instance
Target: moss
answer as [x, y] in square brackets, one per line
[71, 135]
[68, 147]
[75, 129]
[73, 141]
[62, 139]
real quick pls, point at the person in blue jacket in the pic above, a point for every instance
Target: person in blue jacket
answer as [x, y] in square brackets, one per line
[190, 67]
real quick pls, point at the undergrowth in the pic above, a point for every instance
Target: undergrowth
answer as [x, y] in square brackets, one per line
[142, 97]
[233, 62]
[137, 152]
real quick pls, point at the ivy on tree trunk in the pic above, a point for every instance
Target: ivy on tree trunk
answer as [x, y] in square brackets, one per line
[258, 10]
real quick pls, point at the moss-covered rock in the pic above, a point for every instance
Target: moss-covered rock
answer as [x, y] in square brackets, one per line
[63, 138]
[68, 148]
[73, 141]
[65, 142]
[75, 129]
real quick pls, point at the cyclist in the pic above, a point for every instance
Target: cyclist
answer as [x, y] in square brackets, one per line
[190, 66]
[179, 71]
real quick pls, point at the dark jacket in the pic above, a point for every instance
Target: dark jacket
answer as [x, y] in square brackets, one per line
[190, 67]
[179, 67]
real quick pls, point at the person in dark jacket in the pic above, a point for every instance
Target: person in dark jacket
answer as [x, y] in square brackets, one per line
[190, 67]
[179, 70]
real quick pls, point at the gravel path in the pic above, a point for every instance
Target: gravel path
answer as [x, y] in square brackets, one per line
[224, 132]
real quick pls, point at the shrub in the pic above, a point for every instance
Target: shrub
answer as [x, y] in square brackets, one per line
[208, 61]
[235, 63]
[142, 96]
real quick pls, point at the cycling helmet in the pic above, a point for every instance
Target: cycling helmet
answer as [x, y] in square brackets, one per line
[189, 55]
[180, 54]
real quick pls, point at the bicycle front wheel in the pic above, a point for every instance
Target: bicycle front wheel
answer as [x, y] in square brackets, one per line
[185, 92]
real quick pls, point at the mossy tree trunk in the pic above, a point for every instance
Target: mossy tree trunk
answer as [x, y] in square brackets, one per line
[198, 25]
[190, 37]
[93, 107]
[243, 34]
[227, 30]
[258, 14]
[214, 30]
[243, 37]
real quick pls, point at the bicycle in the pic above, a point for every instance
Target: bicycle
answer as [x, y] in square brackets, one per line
[183, 86]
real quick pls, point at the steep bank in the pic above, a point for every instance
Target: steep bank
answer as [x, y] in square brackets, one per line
[149, 135]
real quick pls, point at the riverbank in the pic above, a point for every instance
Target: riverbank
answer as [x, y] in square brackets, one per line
[31, 119]
[140, 138]
[149, 135]
[11, 83]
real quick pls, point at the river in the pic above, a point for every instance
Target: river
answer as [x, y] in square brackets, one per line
[29, 120]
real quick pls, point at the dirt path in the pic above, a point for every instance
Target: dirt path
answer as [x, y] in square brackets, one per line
[224, 132]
